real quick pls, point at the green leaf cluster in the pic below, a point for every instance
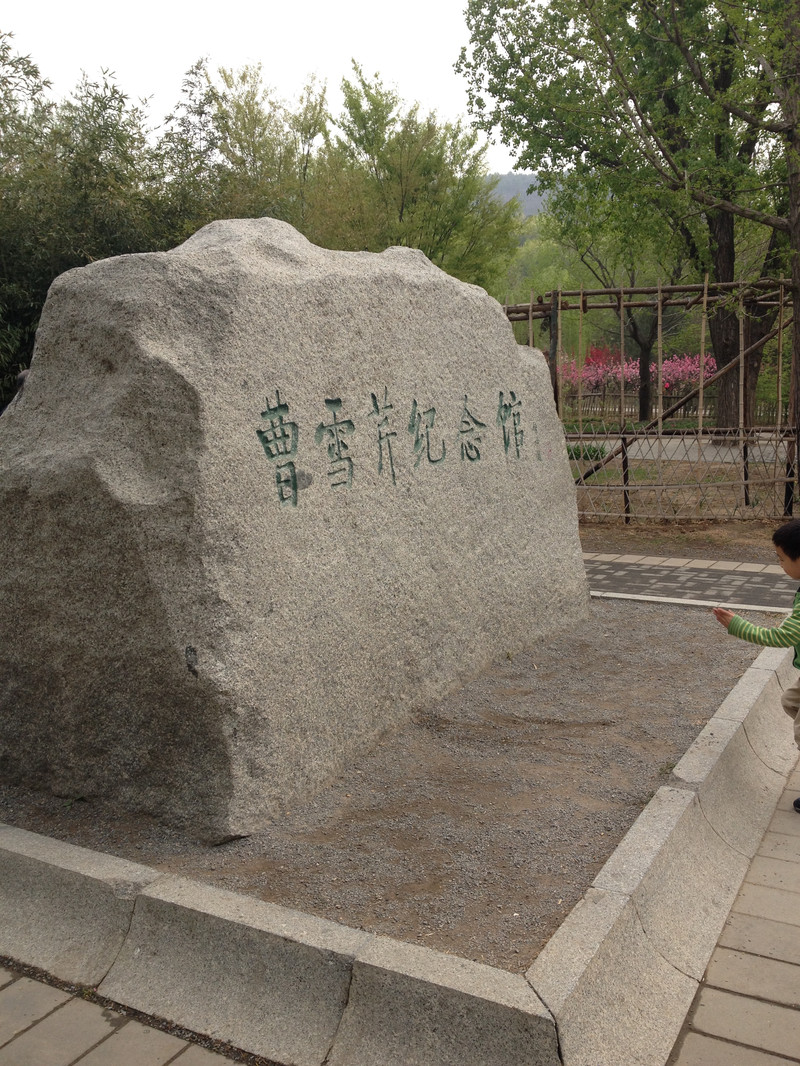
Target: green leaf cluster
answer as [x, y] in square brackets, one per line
[89, 177]
[664, 133]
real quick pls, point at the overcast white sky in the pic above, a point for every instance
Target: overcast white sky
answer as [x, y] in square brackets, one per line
[149, 45]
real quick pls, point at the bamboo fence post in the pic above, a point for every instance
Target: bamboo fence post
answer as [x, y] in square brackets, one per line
[700, 397]
[742, 442]
[660, 401]
[779, 413]
[530, 322]
[622, 358]
[579, 364]
[779, 398]
[559, 382]
[553, 360]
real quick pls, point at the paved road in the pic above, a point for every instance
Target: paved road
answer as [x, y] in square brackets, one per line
[700, 582]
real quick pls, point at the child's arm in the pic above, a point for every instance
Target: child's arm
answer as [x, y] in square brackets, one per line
[786, 635]
[723, 615]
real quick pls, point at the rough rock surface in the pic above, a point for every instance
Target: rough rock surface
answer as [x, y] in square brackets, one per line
[259, 502]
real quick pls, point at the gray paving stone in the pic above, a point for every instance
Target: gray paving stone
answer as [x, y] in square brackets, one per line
[787, 822]
[701, 1050]
[780, 846]
[762, 936]
[736, 971]
[60, 1038]
[768, 903]
[785, 803]
[24, 1002]
[6, 977]
[194, 1055]
[764, 1026]
[134, 1044]
[775, 873]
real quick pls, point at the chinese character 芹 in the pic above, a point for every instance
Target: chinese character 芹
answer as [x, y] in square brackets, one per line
[513, 433]
[420, 425]
[337, 446]
[469, 434]
[279, 441]
[379, 413]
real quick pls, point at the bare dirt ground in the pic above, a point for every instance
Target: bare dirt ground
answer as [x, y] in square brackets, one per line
[476, 828]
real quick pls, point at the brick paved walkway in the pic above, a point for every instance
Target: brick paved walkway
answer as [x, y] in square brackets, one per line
[747, 1011]
[700, 582]
[44, 1026]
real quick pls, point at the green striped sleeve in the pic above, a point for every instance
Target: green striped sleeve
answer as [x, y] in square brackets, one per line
[786, 635]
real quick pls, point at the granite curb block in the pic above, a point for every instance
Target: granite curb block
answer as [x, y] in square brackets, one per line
[65, 909]
[620, 973]
[259, 976]
[612, 986]
[294, 988]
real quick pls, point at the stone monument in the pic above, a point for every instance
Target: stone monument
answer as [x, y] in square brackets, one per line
[260, 501]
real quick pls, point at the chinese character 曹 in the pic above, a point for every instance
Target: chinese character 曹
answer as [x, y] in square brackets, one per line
[337, 447]
[279, 441]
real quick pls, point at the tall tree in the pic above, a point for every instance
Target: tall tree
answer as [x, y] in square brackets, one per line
[22, 92]
[75, 185]
[694, 106]
[624, 241]
[411, 180]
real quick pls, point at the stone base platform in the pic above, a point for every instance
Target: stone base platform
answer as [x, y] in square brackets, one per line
[613, 984]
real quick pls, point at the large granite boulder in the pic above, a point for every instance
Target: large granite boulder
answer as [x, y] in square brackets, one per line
[258, 502]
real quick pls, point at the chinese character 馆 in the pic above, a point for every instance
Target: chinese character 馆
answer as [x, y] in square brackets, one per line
[513, 433]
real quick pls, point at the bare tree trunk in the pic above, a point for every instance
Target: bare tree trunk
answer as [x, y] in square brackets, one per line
[791, 112]
[723, 324]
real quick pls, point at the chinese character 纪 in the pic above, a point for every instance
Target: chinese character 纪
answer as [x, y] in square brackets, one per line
[469, 434]
[380, 414]
[420, 425]
[279, 441]
[337, 447]
[513, 433]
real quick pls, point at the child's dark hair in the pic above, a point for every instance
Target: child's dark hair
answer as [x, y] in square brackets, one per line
[787, 538]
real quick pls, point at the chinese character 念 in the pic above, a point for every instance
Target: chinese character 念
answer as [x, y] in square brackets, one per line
[337, 446]
[513, 433]
[420, 425]
[279, 441]
[379, 413]
[469, 434]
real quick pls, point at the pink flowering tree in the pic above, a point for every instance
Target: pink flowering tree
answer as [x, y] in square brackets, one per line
[602, 372]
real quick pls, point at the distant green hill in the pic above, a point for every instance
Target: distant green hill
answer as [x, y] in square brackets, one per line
[513, 184]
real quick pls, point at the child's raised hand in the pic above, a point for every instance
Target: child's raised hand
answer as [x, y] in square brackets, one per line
[722, 615]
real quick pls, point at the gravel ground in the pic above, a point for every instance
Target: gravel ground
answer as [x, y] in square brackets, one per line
[475, 829]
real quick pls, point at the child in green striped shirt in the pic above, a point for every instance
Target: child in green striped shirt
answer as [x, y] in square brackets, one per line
[787, 635]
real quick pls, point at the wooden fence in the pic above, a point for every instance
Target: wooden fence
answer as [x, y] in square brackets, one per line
[668, 469]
